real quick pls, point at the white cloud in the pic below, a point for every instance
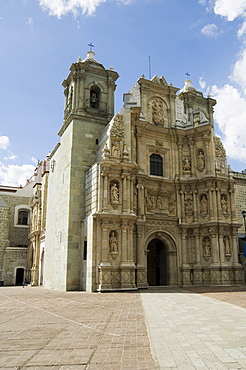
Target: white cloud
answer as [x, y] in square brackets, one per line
[230, 9]
[14, 175]
[63, 7]
[210, 30]
[11, 157]
[29, 21]
[202, 83]
[238, 73]
[4, 142]
[230, 113]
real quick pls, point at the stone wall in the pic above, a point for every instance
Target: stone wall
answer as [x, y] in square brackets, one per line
[17, 235]
[240, 198]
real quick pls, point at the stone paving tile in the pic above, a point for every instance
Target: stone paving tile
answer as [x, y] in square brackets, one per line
[195, 331]
[44, 330]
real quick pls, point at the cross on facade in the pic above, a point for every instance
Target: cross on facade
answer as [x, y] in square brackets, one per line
[91, 46]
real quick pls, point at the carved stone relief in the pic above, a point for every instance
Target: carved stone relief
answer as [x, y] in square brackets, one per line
[118, 126]
[186, 164]
[113, 242]
[115, 149]
[227, 246]
[160, 203]
[114, 193]
[200, 160]
[203, 205]
[206, 244]
[224, 204]
[188, 203]
[219, 149]
[157, 112]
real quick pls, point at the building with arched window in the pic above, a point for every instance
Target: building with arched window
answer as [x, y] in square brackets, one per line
[125, 201]
[143, 197]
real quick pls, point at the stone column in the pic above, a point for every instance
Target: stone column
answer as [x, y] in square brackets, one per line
[235, 247]
[197, 247]
[195, 205]
[184, 247]
[221, 248]
[141, 200]
[211, 205]
[219, 204]
[105, 243]
[208, 161]
[125, 194]
[81, 101]
[214, 247]
[182, 206]
[192, 157]
[105, 191]
[180, 159]
[124, 244]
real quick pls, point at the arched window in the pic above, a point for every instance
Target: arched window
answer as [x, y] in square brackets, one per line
[23, 217]
[94, 97]
[156, 165]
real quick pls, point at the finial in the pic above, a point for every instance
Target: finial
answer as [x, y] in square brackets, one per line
[187, 75]
[79, 59]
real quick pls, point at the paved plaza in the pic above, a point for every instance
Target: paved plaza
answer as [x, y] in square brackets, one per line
[43, 330]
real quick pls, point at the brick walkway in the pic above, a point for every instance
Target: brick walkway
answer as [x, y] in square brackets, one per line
[44, 330]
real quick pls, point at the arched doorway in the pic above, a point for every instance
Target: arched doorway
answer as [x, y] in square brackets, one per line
[19, 277]
[157, 263]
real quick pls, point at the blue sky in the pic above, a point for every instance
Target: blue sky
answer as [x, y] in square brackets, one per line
[40, 39]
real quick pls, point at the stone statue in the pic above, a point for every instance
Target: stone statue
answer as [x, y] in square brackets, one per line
[207, 246]
[227, 247]
[113, 243]
[157, 112]
[204, 205]
[114, 193]
[186, 164]
[115, 150]
[196, 119]
[200, 161]
[224, 204]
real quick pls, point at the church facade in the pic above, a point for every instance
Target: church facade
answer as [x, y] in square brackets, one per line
[140, 198]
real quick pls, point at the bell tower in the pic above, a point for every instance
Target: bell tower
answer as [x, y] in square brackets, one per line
[89, 92]
[89, 106]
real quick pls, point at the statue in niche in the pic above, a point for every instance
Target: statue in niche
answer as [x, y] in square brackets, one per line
[114, 193]
[204, 205]
[196, 119]
[115, 149]
[186, 164]
[200, 160]
[113, 244]
[157, 112]
[224, 204]
[227, 247]
[206, 246]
